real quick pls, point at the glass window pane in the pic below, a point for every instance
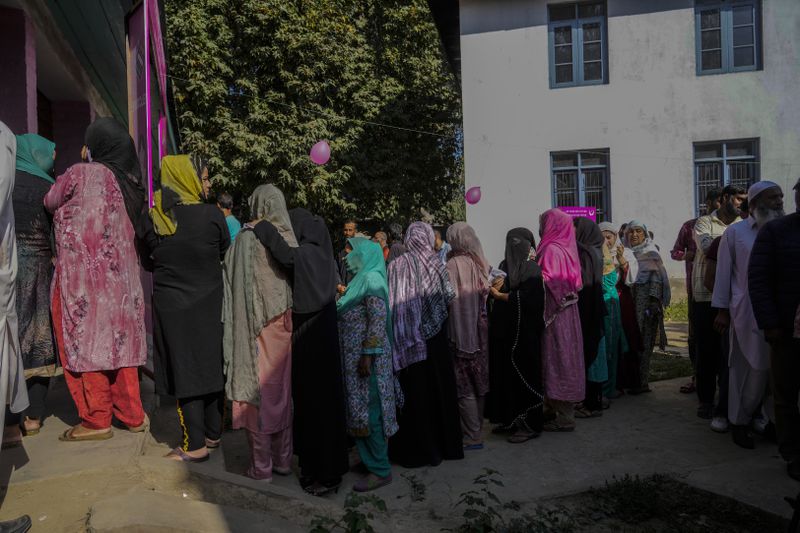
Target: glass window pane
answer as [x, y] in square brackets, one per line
[708, 151]
[562, 12]
[742, 36]
[592, 52]
[710, 39]
[593, 71]
[593, 159]
[563, 73]
[563, 54]
[562, 35]
[590, 10]
[712, 60]
[743, 173]
[742, 15]
[565, 159]
[740, 149]
[591, 32]
[709, 19]
[743, 57]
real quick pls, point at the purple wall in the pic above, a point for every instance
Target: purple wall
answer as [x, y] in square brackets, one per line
[70, 120]
[18, 65]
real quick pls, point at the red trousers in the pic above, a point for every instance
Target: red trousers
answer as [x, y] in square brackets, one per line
[99, 395]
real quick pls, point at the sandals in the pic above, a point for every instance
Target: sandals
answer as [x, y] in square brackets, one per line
[522, 436]
[212, 444]
[471, 447]
[583, 412]
[689, 388]
[141, 427]
[320, 489]
[69, 436]
[30, 432]
[555, 427]
[186, 458]
[371, 482]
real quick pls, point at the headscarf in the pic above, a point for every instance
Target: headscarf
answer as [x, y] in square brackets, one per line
[608, 261]
[590, 242]
[256, 291]
[419, 294]
[651, 267]
[366, 262]
[35, 156]
[608, 226]
[469, 274]
[315, 274]
[180, 185]
[558, 254]
[110, 145]
[519, 243]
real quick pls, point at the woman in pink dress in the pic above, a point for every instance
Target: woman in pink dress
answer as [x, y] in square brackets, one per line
[562, 343]
[97, 298]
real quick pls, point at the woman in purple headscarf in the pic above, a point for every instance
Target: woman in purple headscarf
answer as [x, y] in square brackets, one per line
[469, 328]
[419, 294]
[562, 344]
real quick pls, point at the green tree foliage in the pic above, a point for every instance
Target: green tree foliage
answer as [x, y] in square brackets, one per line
[260, 81]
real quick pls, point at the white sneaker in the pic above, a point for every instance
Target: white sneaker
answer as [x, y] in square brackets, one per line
[719, 424]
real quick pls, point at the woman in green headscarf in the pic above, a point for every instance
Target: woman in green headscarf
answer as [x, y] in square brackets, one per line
[365, 330]
[188, 238]
[257, 342]
[34, 176]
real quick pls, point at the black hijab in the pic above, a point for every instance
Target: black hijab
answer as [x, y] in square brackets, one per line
[314, 267]
[519, 243]
[590, 249]
[110, 144]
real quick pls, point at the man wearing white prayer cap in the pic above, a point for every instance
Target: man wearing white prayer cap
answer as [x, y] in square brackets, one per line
[774, 289]
[748, 358]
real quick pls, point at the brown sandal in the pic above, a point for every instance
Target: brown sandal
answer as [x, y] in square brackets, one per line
[522, 436]
[69, 436]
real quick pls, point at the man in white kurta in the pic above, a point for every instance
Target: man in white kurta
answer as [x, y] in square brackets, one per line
[748, 359]
[12, 379]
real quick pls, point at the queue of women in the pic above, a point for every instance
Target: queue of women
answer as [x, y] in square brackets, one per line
[405, 365]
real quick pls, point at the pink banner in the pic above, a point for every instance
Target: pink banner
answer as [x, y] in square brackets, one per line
[138, 67]
[162, 136]
[577, 211]
[157, 41]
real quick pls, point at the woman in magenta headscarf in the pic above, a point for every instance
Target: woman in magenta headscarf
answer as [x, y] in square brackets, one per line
[562, 343]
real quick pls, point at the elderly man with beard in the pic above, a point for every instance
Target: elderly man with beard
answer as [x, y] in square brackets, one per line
[774, 287]
[748, 356]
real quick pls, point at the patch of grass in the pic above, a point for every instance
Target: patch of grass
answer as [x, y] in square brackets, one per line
[677, 311]
[666, 366]
[357, 517]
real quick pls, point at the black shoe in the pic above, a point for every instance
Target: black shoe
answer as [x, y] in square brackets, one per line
[18, 525]
[706, 412]
[742, 437]
[793, 468]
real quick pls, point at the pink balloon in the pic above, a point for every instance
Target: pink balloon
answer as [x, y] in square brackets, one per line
[473, 195]
[320, 153]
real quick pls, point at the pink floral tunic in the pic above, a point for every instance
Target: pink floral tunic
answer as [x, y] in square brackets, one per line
[102, 303]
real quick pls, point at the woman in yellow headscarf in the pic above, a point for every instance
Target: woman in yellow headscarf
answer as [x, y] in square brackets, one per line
[188, 238]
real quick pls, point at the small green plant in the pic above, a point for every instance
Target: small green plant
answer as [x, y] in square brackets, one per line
[677, 311]
[358, 511]
[418, 488]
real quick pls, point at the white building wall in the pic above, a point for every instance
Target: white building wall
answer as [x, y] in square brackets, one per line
[648, 116]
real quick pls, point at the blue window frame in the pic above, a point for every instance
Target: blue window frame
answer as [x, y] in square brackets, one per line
[578, 44]
[727, 36]
[581, 178]
[718, 164]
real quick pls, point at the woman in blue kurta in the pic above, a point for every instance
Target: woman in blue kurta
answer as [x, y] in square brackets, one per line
[364, 336]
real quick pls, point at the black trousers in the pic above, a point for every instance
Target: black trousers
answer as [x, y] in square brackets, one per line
[691, 341]
[786, 388]
[711, 366]
[201, 418]
[38, 386]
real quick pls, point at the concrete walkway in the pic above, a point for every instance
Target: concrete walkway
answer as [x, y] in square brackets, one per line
[58, 483]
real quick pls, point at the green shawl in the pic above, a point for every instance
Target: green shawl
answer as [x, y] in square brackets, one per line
[35, 156]
[257, 290]
[367, 263]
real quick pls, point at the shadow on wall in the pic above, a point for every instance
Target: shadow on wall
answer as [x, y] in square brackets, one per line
[505, 15]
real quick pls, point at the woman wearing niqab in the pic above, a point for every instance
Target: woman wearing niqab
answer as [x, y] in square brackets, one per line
[468, 328]
[516, 321]
[419, 293]
[320, 440]
[257, 339]
[99, 318]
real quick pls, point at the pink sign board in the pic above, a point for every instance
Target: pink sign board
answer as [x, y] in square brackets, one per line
[577, 211]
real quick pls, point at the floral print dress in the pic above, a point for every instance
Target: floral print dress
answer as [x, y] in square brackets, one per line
[362, 331]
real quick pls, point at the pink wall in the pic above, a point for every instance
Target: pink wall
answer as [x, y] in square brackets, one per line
[18, 67]
[70, 120]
